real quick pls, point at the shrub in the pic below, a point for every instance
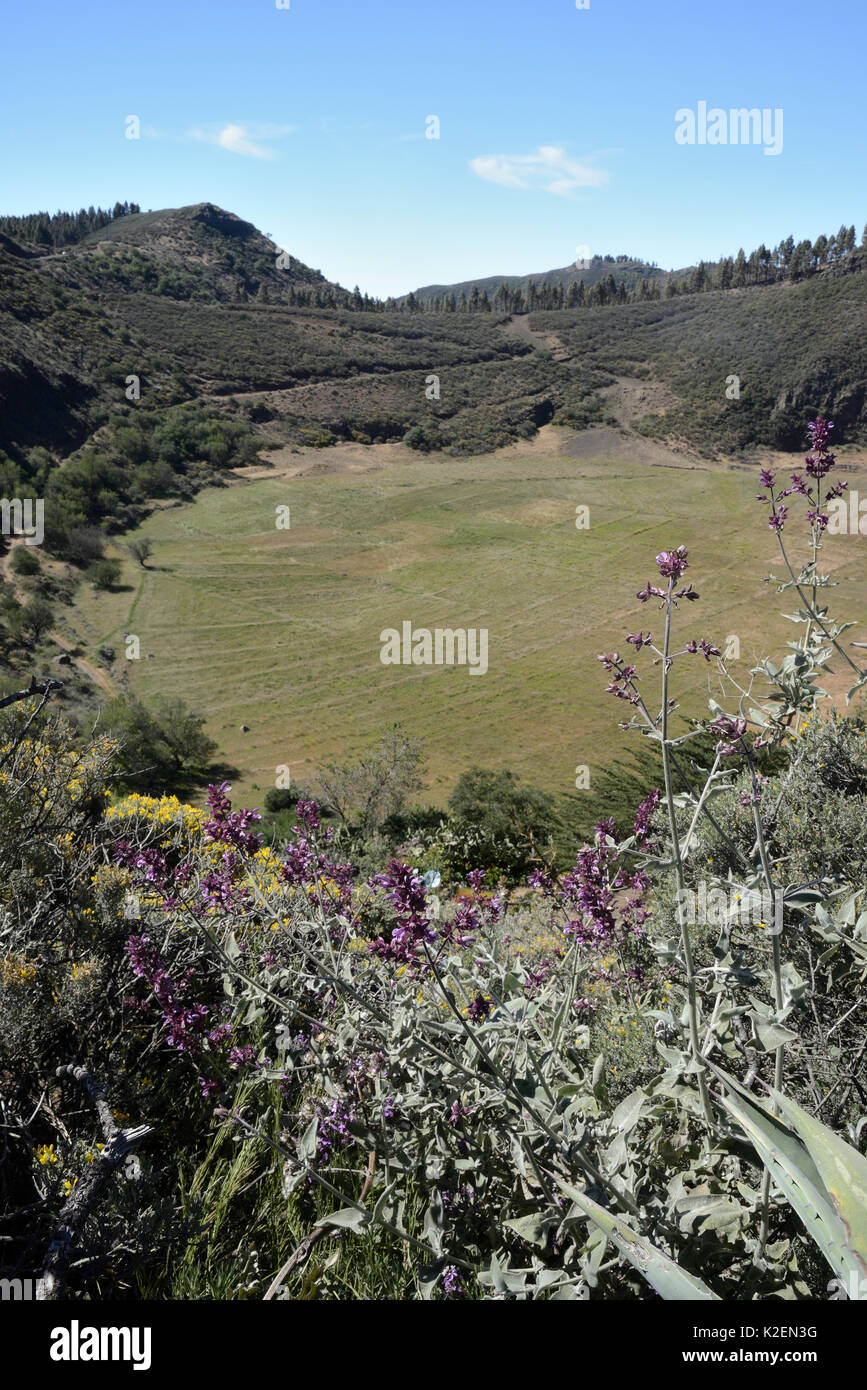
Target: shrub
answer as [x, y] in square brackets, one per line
[604, 1088]
[24, 561]
[104, 574]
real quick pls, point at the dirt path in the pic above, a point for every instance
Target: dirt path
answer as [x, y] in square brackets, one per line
[631, 398]
[518, 326]
[628, 400]
[100, 678]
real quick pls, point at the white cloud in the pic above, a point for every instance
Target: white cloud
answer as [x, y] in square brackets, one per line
[235, 138]
[244, 139]
[548, 169]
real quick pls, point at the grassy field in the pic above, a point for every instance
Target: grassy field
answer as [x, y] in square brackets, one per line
[280, 629]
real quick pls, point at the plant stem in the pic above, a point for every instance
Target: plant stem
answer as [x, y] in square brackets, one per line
[692, 1002]
[778, 980]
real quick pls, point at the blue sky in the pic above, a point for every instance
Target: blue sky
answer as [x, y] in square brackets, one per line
[556, 124]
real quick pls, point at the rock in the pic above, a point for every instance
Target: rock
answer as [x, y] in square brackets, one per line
[245, 728]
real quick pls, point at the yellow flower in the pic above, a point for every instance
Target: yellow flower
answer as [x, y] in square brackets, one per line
[45, 1154]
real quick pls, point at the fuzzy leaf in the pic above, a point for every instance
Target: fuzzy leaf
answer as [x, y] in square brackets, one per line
[843, 1171]
[667, 1278]
[795, 1172]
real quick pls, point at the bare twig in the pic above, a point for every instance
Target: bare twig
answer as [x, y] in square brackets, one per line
[40, 688]
[118, 1143]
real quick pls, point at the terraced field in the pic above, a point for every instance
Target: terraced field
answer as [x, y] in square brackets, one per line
[279, 630]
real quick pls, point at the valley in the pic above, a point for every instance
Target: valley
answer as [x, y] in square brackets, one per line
[279, 630]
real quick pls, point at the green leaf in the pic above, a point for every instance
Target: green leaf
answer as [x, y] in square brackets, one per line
[843, 1171]
[434, 1222]
[667, 1278]
[307, 1147]
[703, 1211]
[384, 1208]
[428, 1277]
[626, 1116]
[794, 1170]
[349, 1218]
[770, 1035]
[535, 1227]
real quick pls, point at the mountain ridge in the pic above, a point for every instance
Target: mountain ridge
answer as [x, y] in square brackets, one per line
[192, 303]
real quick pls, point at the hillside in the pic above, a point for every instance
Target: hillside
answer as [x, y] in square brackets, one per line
[797, 348]
[624, 268]
[193, 304]
[226, 255]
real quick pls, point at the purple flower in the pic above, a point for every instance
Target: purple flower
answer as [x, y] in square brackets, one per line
[479, 1008]
[650, 591]
[732, 731]
[474, 912]
[820, 432]
[703, 646]
[309, 816]
[242, 1056]
[405, 890]
[306, 865]
[457, 1113]
[184, 1023]
[672, 563]
[333, 1130]
[644, 818]
[230, 827]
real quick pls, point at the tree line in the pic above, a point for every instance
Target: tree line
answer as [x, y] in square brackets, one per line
[789, 260]
[62, 228]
